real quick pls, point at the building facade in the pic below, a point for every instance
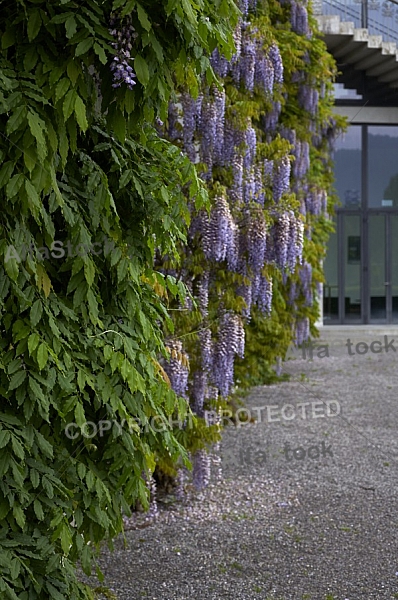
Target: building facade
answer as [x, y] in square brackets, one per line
[361, 266]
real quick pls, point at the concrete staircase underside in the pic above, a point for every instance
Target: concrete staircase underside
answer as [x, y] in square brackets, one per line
[354, 48]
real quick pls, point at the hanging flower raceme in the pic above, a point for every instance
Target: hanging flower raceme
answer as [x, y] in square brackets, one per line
[275, 56]
[218, 232]
[305, 273]
[281, 178]
[231, 342]
[270, 120]
[302, 162]
[281, 240]
[177, 367]
[264, 72]
[296, 241]
[208, 131]
[316, 201]
[248, 61]
[299, 18]
[302, 331]
[189, 108]
[264, 295]
[219, 101]
[308, 98]
[120, 66]
[203, 292]
[201, 469]
[257, 241]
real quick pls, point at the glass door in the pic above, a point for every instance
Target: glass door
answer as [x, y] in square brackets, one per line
[393, 260]
[377, 269]
[352, 268]
[383, 268]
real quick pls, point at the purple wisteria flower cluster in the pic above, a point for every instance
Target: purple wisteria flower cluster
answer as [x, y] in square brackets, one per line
[302, 331]
[308, 97]
[219, 232]
[251, 228]
[299, 17]
[286, 241]
[306, 283]
[230, 342]
[177, 368]
[121, 68]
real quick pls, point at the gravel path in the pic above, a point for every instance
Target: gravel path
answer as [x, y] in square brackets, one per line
[307, 507]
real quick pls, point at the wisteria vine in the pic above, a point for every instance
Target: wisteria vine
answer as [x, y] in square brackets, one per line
[263, 202]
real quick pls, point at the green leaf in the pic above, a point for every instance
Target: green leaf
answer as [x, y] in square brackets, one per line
[44, 444]
[89, 272]
[17, 380]
[33, 197]
[33, 341]
[61, 88]
[36, 389]
[14, 185]
[17, 118]
[36, 126]
[38, 510]
[34, 24]
[69, 104]
[66, 540]
[79, 414]
[8, 38]
[70, 27]
[35, 478]
[11, 266]
[47, 486]
[84, 46]
[141, 70]
[19, 516]
[119, 126]
[42, 356]
[86, 560]
[36, 313]
[4, 438]
[100, 53]
[17, 447]
[143, 18]
[81, 470]
[73, 71]
[80, 112]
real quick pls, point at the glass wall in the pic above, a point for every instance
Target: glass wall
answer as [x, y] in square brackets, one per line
[348, 167]
[352, 267]
[382, 167]
[330, 287]
[361, 264]
[377, 267]
[394, 266]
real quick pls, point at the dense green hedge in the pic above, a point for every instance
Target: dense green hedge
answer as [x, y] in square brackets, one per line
[82, 332]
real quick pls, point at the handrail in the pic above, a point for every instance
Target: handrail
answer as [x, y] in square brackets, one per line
[380, 17]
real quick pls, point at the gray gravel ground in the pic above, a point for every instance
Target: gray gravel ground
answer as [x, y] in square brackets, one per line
[279, 526]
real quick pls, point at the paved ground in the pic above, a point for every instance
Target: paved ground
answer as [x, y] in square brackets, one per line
[307, 508]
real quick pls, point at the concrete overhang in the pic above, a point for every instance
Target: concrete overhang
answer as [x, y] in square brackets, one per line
[377, 115]
[354, 47]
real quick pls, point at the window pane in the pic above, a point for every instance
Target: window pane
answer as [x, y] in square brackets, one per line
[383, 166]
[352, 268]
[347, 161]
[377, 273]
[330, 287]
[394, 266]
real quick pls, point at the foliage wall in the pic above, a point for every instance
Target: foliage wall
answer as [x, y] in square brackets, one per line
[261, 139]
[88, 190]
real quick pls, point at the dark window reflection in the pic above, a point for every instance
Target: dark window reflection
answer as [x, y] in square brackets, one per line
[347, 166]
[383, 167]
